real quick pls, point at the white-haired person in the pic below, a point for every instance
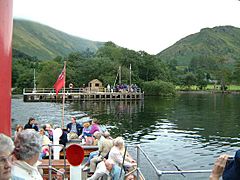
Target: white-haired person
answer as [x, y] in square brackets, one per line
[117, 152]
[114, 170]
[6, 149]
[28, 145]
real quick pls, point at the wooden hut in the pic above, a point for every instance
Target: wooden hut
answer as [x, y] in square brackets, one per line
[95, 85]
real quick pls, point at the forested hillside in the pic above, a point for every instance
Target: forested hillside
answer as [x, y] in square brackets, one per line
[45, 42]
[222, 41]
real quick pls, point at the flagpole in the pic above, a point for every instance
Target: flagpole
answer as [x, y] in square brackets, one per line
[63, 97]
[130, 78]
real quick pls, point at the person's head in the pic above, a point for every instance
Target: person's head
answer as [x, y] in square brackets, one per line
[95, 121]
[31, 120]
[48, 127]
[118, 142]
[28, 146]
[41, 131]
[19, 128]
[109, 164]
[73, 120]
[106, 134]
[97, 135]
[130, 177]
[86, 124]
[44, 127]
[6, 149]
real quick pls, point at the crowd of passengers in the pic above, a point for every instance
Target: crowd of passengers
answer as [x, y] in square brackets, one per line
[83, 131]
[19, 160]
[31, 145]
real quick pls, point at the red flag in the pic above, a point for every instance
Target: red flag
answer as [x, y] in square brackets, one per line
[59, 84]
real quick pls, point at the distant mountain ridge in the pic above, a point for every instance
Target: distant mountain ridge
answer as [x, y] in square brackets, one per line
[221, 41]
[45, 43]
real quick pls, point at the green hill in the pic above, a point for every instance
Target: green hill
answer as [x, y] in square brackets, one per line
[44, 42]
[222, 41]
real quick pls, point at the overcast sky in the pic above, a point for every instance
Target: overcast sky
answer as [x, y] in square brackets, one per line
[148, 25]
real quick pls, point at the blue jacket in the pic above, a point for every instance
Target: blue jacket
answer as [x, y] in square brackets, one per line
[232, 169]
[78, 126]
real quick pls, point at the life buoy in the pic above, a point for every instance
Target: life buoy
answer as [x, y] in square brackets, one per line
[70, 85]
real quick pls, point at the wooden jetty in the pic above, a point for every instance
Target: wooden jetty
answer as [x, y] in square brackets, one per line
[78, 94]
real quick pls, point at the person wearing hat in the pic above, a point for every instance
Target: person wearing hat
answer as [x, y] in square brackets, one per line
[85, 131]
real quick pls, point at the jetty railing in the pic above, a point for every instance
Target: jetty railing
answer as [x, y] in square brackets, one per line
[70, 90]
[145, 161]
[79, 94]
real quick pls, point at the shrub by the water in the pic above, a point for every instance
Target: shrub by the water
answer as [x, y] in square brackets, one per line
[158, 88]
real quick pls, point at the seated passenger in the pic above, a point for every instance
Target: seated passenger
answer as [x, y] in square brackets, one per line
[86, 136]
[95, 126]
[74, 129]
[93, 154]
[114, 170]
[63, 138]
[117, 152]
[104, 147]
[45, 142]
[19, 128]
[106, 134]
[48, 131]
[28, 145]
[6, 149]
[32, 124]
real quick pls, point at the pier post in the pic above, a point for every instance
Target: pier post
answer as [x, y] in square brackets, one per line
[6, 24]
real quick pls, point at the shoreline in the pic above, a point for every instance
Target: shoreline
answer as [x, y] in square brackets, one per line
[206, 92]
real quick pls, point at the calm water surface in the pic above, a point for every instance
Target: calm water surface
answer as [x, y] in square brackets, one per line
[189, 131]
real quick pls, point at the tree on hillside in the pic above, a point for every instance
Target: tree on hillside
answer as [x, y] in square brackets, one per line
[201, 79]
[109, 50]
[22, 73]
[236, 73]
[48, 73]
[223, 74]
[189, 79]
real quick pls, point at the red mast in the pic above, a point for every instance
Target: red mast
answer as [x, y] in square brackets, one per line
[6, 27]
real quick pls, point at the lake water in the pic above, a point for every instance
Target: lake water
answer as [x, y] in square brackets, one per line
[190, 130]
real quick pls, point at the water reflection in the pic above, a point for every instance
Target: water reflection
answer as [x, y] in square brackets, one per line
[121, 117]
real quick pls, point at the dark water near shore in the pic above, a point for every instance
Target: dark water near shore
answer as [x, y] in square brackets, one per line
[190, 130]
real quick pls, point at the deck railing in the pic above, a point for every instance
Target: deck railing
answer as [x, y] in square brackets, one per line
[159, 173]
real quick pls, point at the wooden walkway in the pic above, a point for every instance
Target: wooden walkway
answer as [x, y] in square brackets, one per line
[48, 95]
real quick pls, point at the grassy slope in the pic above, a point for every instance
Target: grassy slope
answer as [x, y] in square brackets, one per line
[45, 42]
[221, 41]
